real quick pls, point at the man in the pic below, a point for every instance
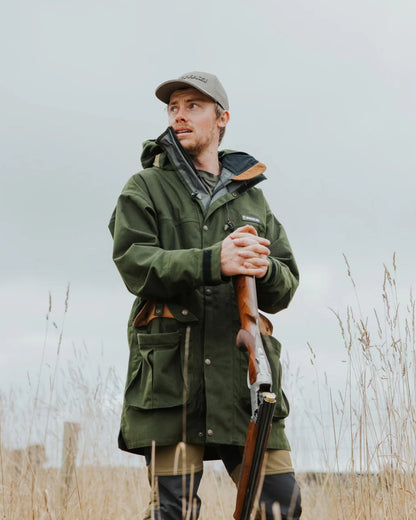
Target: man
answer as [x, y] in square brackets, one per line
[183, 227]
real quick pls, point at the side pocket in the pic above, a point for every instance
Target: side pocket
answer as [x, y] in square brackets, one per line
[273, 349]
[157, 379]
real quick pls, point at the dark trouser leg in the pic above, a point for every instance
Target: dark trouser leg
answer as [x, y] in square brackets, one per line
[172, 490]
[177, 469]
[284, 489]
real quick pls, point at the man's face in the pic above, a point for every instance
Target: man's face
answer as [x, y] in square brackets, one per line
[194, 120]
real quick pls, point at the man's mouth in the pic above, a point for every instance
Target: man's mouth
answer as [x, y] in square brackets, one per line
[181, 131]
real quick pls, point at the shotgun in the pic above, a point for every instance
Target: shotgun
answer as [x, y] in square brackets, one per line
[263, 400]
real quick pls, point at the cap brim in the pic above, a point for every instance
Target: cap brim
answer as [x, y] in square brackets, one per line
[165, 89]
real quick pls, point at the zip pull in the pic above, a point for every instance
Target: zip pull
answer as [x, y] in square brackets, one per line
[229, 225]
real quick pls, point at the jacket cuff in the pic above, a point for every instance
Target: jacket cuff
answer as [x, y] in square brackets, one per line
[211, 265]
[271, 272]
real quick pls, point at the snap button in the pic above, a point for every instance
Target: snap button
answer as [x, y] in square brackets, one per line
[207, 361]
[208, 291]
[184, 312]
[200, 434]
[205, 227]
[210, 433]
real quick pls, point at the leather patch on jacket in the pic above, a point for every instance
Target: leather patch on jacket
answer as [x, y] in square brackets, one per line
[149, 312]
[252, 172]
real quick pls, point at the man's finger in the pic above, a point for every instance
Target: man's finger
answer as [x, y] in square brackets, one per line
[245, 240]
[253, 251]
[246, 229]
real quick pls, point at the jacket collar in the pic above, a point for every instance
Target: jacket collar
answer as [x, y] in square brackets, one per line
[240, 170]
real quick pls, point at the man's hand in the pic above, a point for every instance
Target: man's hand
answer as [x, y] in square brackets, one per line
[243, 252]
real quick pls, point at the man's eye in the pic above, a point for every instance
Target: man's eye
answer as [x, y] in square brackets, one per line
[172, 110]
[193, 105]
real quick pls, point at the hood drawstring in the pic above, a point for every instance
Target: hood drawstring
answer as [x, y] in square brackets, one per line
[228, 223]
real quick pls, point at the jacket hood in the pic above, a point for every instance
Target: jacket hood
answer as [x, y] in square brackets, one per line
[149, 152]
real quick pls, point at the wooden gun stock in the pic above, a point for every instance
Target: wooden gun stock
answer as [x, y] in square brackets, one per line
[245, 290]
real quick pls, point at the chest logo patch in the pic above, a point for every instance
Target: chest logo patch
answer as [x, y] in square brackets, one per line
[248, 218]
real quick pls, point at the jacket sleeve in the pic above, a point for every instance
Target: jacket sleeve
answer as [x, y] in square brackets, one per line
[276, 289]
[147, 269]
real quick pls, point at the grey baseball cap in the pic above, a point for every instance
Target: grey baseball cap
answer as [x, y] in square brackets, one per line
[202, 81]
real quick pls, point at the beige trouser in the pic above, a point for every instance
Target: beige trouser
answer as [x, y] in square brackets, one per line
[188, 459]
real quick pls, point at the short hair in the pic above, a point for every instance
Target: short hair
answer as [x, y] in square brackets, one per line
[219, 112]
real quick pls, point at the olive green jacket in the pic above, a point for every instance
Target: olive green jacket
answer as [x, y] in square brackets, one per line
[186, 378]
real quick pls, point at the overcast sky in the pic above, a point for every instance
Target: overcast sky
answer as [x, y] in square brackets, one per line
[323, 92]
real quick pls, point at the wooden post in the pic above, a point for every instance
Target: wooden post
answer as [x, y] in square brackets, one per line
[69, 457]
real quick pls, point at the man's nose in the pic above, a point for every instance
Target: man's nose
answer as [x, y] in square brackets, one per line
[180, 114]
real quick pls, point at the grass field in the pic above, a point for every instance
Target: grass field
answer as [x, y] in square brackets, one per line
[111, 493]
[373, 418]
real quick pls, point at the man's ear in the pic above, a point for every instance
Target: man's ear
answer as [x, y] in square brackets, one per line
[223, 119]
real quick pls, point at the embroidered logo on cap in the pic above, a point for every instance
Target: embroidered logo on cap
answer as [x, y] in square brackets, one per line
[192, 76]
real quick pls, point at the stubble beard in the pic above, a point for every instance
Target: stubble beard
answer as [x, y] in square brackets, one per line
[201, 145]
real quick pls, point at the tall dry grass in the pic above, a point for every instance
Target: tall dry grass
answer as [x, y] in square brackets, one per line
[99, 493]
[373, 417]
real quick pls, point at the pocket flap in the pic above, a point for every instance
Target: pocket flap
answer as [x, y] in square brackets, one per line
[152, 310]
